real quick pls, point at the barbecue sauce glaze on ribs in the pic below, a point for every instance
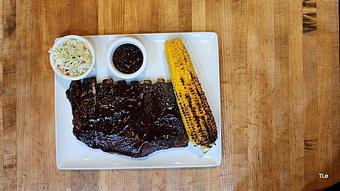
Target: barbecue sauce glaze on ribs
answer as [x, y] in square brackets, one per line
[131, 119]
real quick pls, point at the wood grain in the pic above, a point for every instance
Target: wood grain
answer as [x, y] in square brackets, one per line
[279, 68]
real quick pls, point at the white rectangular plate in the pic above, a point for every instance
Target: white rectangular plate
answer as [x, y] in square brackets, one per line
[203, 49]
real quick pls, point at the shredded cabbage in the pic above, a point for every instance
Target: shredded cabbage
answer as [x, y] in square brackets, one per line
[73, 58]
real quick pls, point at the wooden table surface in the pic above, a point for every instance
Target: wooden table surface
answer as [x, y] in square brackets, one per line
[279, 68]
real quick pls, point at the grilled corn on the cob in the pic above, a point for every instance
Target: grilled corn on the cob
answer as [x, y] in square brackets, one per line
[193, 105]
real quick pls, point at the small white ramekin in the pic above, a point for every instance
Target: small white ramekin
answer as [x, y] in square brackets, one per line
[58, 43]
[111, 50]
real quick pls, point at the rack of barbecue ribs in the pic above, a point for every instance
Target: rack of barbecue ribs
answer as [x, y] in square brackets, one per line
[134, 119]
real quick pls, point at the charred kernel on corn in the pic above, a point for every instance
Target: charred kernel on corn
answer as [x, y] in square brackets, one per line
[193, 105]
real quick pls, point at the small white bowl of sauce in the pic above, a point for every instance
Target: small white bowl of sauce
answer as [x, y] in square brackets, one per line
[72, 57]
[126, 58]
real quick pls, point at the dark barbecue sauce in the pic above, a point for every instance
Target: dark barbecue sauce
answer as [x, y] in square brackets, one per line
[127, 58]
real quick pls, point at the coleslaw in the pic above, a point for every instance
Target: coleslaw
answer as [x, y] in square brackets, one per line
[73, 58]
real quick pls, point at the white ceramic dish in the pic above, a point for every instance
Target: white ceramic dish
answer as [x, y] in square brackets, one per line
[60, 41]
[203, 48]
[116, 44]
